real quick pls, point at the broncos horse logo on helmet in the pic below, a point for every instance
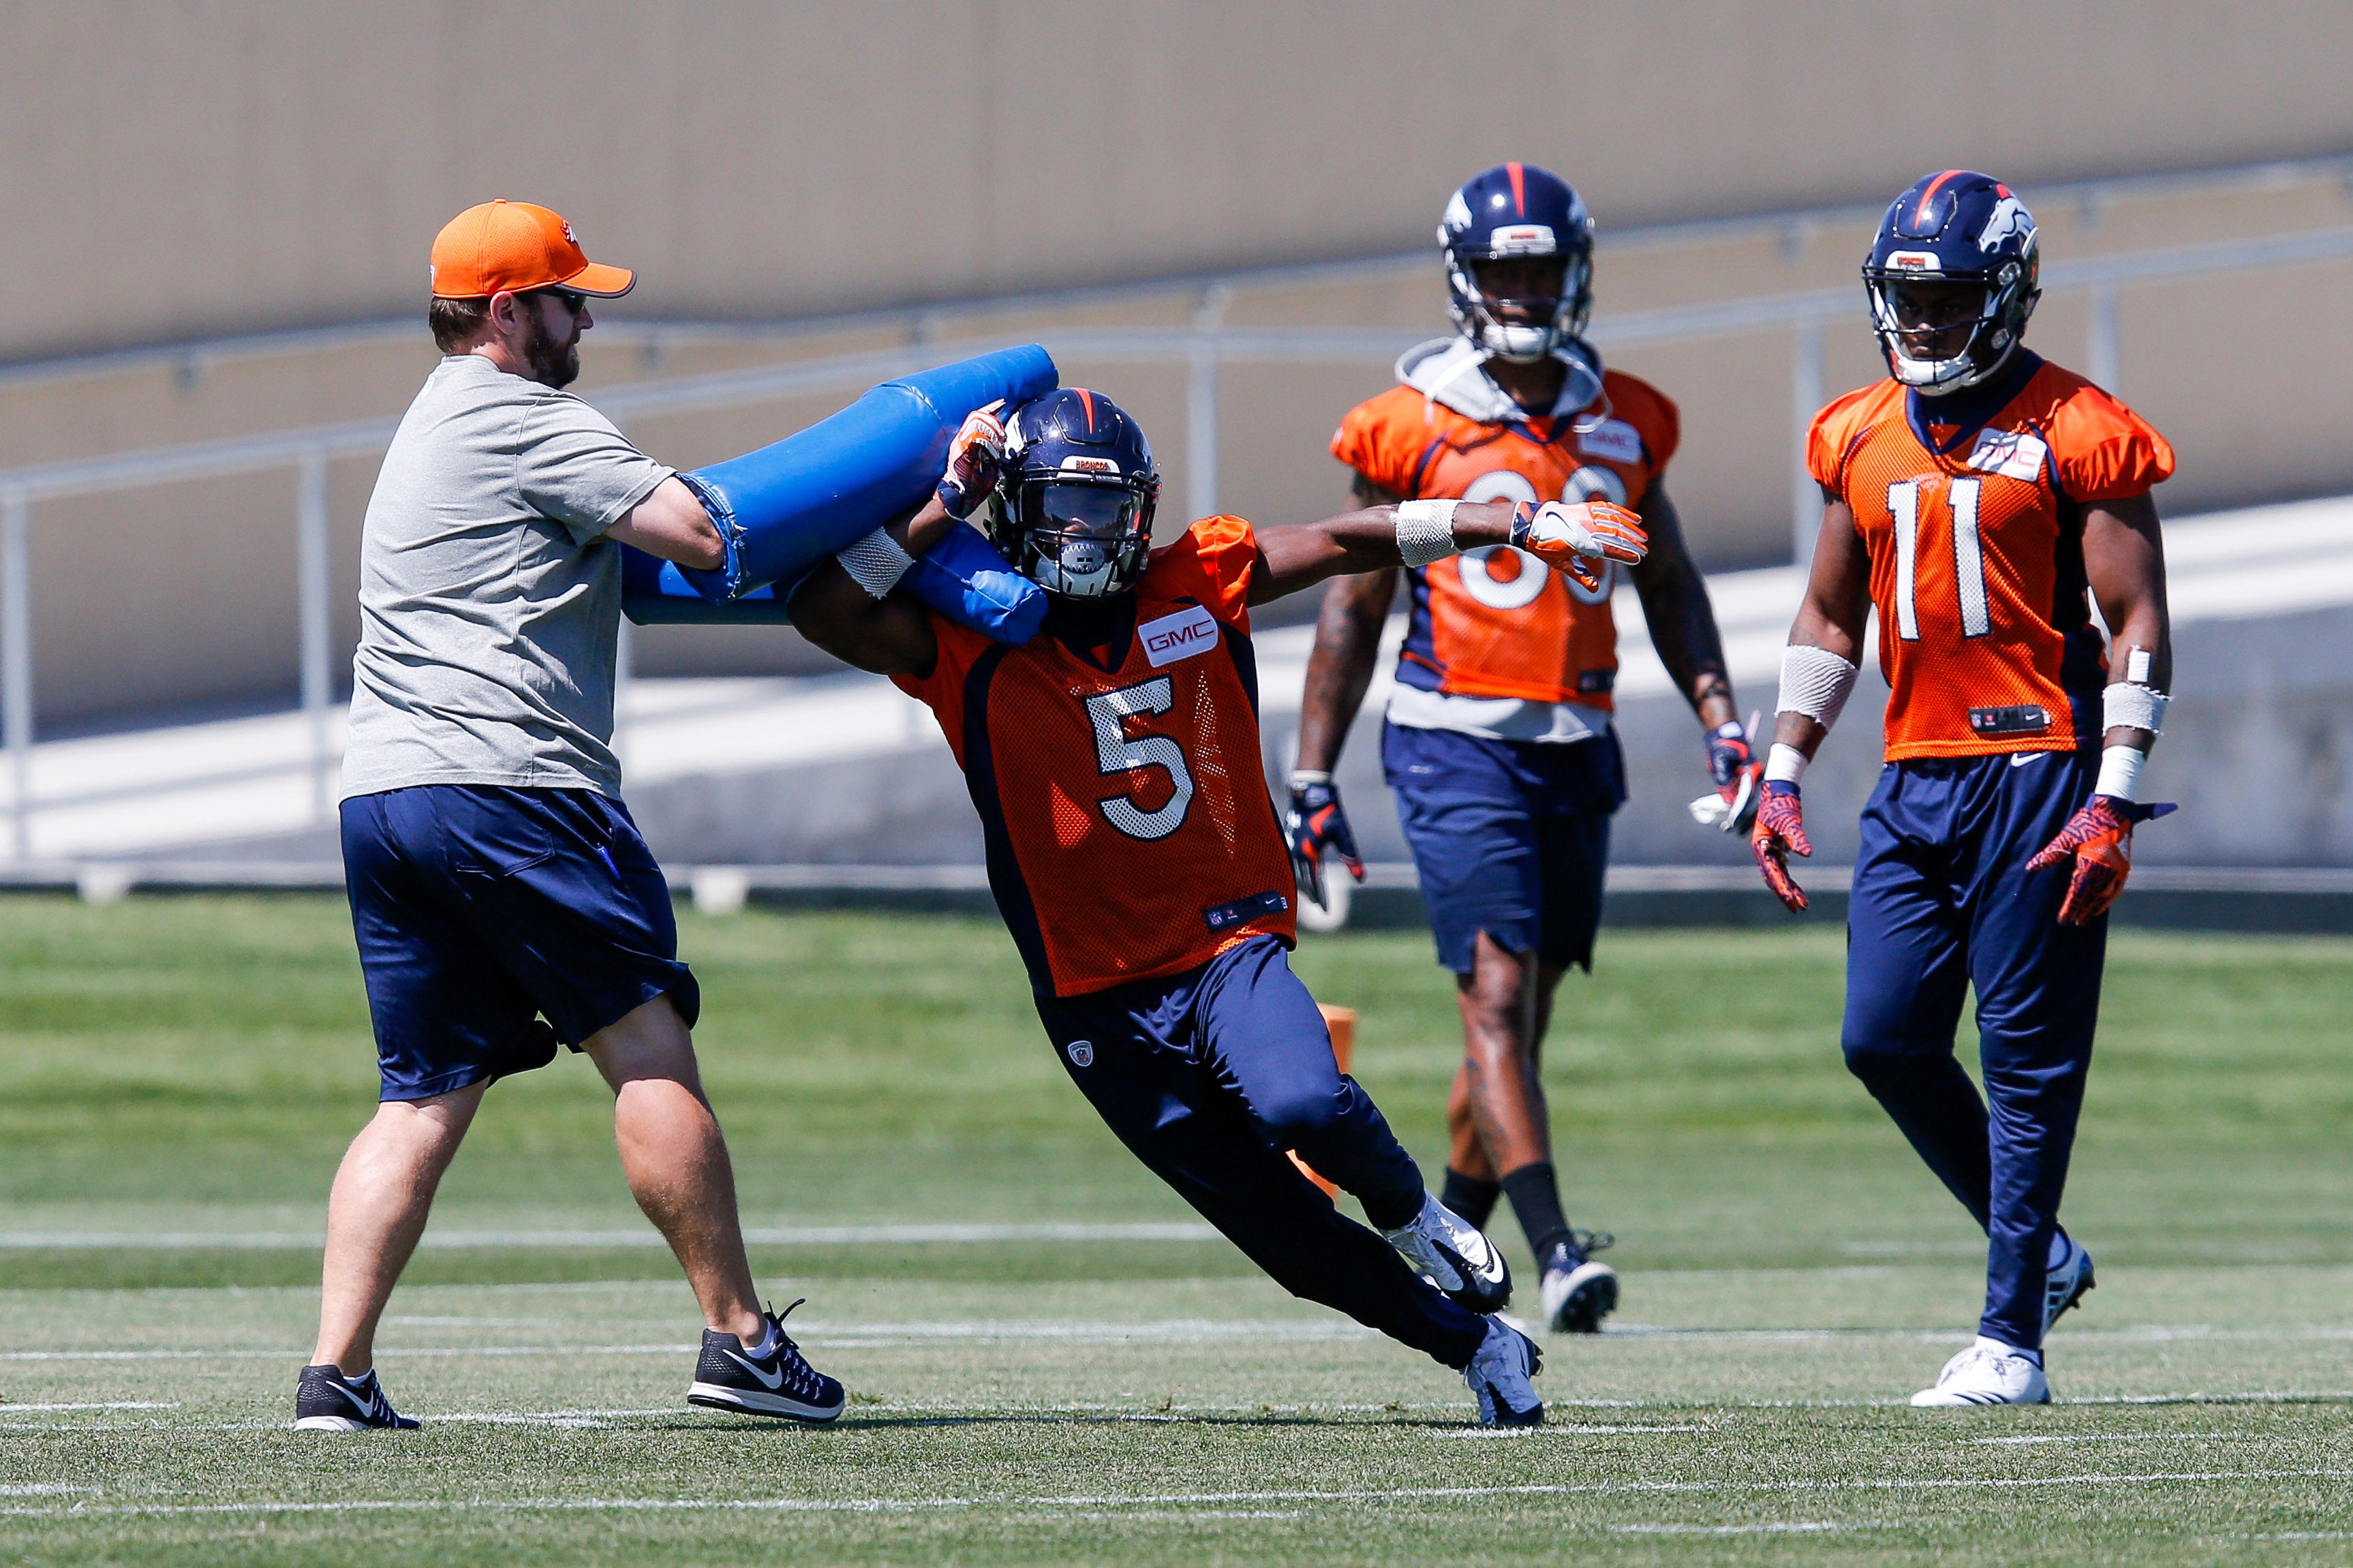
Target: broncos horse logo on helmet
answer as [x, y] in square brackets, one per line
[1956, 250]
[1516, 210]
[1073, 504]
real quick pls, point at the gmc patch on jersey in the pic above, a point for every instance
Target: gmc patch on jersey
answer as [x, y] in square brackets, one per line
[2027, 720]
[1242, 911]
[2014, 454]
[1613, 441]
[1189, 631]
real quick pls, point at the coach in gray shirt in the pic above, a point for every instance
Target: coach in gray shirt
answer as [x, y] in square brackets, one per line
[503, 899]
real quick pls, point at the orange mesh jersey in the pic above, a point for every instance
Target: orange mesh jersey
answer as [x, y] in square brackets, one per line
[1976, 537]
[1494, 622]
[1129, 831]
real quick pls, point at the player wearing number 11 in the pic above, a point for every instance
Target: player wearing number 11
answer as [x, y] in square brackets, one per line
[1113, 759]
[1982, 501]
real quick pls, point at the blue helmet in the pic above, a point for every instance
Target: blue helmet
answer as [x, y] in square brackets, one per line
[1956, 227]
[1514, 210]
[1073, 509]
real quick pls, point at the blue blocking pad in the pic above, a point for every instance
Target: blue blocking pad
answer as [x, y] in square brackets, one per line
[964, 579]
[655, 592]
[788, 506]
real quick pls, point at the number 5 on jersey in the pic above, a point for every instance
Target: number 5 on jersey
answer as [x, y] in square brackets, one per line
[1117, 752]
[1969, 556]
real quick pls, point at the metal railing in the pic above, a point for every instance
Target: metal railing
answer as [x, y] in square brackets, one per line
[1202, 347]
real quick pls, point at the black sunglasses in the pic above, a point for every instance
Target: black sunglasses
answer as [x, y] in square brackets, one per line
[571, 300]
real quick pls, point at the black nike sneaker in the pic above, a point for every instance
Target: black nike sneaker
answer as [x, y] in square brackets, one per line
[778, 1384]
[327, 1401]
[1578, 1292]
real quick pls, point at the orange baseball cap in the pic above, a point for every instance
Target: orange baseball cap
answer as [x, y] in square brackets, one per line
[506, 245]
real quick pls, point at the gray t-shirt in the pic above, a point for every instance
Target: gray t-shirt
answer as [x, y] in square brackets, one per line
[489, 599]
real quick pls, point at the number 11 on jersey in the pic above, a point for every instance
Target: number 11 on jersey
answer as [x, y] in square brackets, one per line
[1969, 556]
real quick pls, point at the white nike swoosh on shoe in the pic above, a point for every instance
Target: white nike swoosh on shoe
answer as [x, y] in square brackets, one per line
[769, 1381]
[366, 1405]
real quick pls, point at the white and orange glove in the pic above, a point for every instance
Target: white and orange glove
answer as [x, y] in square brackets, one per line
[975, 459]
[1578, 537]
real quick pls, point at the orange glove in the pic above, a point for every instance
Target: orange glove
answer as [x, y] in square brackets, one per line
[2098, 838]
[1780, 833]
[1577, 537]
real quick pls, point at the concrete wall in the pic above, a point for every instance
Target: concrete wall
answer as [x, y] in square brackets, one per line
[218, 165]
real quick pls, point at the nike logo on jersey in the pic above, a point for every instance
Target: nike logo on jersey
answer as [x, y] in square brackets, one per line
[2020, 759]
[2014, 454]
[1189, 631]
[771, 1381]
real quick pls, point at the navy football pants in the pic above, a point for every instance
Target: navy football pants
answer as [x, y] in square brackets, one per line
[1207, 1077]
[1943, 900]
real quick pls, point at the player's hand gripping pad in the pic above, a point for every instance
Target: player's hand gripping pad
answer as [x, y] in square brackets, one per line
[785, 508]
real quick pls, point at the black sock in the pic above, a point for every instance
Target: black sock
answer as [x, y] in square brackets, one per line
[1535, 1198]
[1471, 1197]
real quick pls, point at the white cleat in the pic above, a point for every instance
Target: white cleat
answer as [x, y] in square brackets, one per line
[1575, 1292]
[1498, 1375]
[1448, 1251]
[2066, 1285]
[1988, 1373]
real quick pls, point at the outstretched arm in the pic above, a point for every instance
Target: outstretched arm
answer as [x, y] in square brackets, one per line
[1568, 536]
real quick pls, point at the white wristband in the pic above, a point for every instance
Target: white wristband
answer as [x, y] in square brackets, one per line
[2120, 772]
[876, 562]
[1784, 764]
[1301, 777]
[2128, 705]
[1425, 530]
[1815, 682]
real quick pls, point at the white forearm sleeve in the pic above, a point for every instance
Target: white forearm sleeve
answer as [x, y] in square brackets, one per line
[876, 562]
[1815, 682]
[1425, 530]
[2128, 705]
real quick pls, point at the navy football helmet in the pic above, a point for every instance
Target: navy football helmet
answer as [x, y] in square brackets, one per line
[1956, 250]
[1516, 210]
[1073, 509]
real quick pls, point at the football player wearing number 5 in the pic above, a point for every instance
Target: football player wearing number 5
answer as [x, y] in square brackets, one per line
[1982, 501]
[1115, 762]
[1498, 742]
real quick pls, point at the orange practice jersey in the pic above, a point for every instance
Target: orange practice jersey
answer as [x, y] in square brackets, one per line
[1129, 831]
[1976, 535]
[1494, 622]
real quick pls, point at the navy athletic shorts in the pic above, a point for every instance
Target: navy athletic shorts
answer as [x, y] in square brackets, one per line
[1510, 837]
[481, 910]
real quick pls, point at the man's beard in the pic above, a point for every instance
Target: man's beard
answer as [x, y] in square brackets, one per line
[552, 363]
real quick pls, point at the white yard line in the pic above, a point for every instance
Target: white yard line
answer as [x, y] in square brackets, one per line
[1180, 1499]
[640, 1236]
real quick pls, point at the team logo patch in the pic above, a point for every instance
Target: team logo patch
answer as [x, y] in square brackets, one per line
[1914, 261]
[1089, 465]
[2010, 217]
[1612, 441]
[1189, 631]
[2013, 454]
[1081, 1052]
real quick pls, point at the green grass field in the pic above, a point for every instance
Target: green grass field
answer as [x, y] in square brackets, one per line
[178, 1077]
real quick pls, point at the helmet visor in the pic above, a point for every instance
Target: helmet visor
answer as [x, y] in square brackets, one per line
[1087, 512]
[1932, 317]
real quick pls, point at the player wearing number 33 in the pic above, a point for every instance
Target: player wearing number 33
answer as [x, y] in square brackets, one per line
[1113, 759]
[1982, 500]
[1499, 742]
